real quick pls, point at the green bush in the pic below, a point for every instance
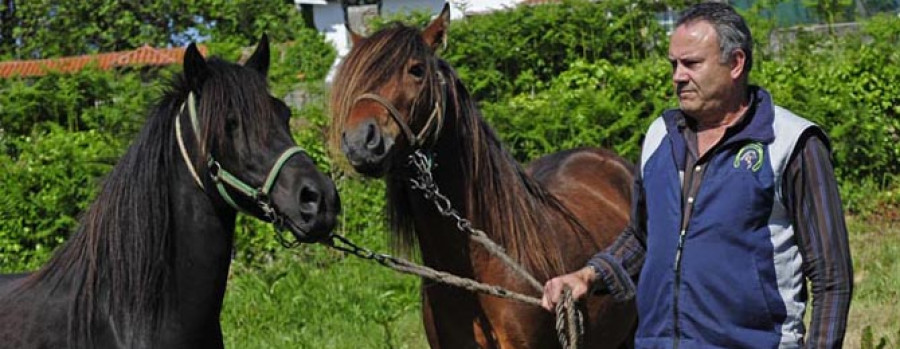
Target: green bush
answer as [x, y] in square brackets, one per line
[850, 86]
[306, 59]
[512, 52]
[48, 179]
[111, 102]
[590, 104]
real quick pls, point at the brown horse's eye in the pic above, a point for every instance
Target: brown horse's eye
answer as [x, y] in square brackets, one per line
[417, 71]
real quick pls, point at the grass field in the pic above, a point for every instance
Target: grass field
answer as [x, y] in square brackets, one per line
[312, 297]
[876, 299]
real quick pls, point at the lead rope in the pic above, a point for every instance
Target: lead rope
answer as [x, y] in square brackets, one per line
[569, 324]
[569, 321]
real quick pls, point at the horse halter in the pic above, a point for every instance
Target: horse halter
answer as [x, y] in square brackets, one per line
[223, 178]
[415, 140]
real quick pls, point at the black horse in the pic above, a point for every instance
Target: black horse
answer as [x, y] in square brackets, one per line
[148, 266]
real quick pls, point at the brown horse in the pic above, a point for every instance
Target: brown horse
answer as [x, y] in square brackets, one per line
[393, 96]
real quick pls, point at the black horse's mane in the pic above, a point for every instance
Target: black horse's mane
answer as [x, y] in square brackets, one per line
[120, 259]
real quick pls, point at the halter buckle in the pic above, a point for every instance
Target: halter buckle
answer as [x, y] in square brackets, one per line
[214, 168]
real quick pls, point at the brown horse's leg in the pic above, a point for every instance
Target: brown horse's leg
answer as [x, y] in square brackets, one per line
[428, 321]
[449, 314]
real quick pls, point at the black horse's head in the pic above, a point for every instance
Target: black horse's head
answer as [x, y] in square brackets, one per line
[243, 150]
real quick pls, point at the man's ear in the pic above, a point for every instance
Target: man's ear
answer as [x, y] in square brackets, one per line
[259, 60]
[738, 61]
[435, 34]
[195, 69]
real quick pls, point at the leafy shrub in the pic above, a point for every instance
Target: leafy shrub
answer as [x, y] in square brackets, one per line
[590, 104]
[851, 87]
[306, 59]
[106, 101]
[511, 52]
[48, 179]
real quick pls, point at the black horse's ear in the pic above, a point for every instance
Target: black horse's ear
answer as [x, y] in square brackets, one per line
[435, 34]
[354, 36]
[195, 70]
[259, 60]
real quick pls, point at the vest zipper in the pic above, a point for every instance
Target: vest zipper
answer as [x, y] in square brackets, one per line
[676, 336]
[676, 327]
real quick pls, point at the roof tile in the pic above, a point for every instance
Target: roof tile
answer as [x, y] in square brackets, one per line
[144, 55]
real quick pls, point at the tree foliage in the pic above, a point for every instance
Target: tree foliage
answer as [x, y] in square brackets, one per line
[519, 51]
[48, 28]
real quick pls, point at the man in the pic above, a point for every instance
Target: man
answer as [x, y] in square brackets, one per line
[736, 206]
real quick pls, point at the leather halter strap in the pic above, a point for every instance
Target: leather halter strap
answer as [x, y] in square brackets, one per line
[435, 120]
[222, 177]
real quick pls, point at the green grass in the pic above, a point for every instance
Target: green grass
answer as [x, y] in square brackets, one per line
[875, 247]
[315, 297]
[312, 297]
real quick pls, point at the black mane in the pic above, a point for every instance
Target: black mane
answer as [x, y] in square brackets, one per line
[120, 257]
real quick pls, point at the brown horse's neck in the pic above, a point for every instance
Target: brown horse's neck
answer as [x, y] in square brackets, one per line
[488, 187]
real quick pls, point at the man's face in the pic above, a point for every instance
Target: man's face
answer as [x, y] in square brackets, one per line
[701, 81]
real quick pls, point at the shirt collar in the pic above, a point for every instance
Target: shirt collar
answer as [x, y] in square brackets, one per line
[756, 125]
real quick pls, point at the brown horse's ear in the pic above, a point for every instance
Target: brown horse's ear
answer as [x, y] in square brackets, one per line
[355, 38]
[435, 34]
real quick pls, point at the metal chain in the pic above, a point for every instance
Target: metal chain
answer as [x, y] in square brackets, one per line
[277, 221]
[341, 243]
[425, 183]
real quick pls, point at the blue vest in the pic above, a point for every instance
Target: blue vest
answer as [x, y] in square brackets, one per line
[739, 283]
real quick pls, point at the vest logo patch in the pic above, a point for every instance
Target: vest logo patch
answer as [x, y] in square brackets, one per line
[750, 157]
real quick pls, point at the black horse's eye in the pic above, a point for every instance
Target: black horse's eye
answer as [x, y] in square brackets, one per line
[230, 124]
[417, 71]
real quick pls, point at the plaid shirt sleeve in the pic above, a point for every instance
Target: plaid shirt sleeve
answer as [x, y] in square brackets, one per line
[619, 264]
[813, 200]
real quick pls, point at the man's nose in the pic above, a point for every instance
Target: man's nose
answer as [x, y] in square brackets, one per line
[680, 74]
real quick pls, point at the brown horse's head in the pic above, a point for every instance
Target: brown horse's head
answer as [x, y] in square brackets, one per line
[387, 98]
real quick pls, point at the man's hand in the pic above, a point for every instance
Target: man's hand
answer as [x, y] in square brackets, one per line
[579, 281]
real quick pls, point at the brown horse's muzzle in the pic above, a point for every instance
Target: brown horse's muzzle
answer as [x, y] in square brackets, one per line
[367, 146]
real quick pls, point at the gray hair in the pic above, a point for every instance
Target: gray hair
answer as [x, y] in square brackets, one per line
[731, 29]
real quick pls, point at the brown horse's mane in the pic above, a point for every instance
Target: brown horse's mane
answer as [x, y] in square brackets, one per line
[501, 199]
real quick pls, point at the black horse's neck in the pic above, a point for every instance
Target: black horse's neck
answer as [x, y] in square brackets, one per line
[148, 264]
[203, 236]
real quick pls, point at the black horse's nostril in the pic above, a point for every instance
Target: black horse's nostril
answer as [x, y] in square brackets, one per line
[310, 200]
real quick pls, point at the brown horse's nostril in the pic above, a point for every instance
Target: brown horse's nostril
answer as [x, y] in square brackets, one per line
[374, 141]
[366, 145]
